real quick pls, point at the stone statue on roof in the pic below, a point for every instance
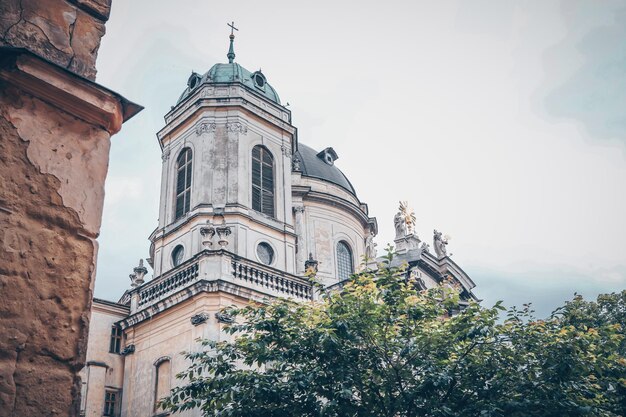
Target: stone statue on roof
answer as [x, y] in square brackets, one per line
[404, 221]
[440, 242]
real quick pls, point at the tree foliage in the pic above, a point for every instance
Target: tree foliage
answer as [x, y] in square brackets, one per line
[380, 347]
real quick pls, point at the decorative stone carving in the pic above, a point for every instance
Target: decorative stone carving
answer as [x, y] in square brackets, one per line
[425, 247]
[222, 233]
[166, 154]
[404, 220]
[207, 92]
[224, 317]
[200, 318]
[237, 128]
[128, 350]
[400, 225]
[311, 264]
[298, 209]
[296, 163]
[205, 127]
[207, 232]
[440, 243]
[136, 277]
[285, 150]
[370, 248]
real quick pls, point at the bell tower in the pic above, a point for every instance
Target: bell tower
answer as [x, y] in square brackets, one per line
[227, 148]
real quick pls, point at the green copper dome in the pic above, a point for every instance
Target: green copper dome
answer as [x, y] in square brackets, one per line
[232, 73]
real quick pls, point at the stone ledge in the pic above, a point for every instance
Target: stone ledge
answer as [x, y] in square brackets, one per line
[65, 90]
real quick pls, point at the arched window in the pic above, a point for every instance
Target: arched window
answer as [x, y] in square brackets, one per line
[344, 261]
[183, 182]
[262, 180]
[162, 381]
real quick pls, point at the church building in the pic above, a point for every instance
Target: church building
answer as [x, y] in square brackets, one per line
[245, 210]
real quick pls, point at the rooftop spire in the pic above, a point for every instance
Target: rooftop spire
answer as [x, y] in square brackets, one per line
[231, 50]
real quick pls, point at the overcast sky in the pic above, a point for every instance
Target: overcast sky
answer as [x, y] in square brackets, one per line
[503, 123]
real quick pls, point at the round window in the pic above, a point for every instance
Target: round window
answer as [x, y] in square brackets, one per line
[177, 255]
[265, 253]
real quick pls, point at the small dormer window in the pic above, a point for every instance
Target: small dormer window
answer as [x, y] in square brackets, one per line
[193, 81]
[328, 155]
[259, 80]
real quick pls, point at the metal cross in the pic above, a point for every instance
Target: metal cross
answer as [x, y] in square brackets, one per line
[232, 27]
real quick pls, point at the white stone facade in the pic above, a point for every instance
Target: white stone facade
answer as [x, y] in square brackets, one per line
[315, 210]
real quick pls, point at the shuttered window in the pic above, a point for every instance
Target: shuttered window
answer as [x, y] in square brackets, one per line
[262, 180]
[344, 261]
[183, 182]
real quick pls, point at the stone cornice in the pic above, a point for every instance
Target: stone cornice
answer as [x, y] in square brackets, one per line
[307, 193]
[188, 109]
[65, 90]
[190, 292]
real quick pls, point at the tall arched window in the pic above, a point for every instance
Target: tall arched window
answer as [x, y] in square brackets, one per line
[344, 261]
[183, 182]
[162, 382]
[262, 180]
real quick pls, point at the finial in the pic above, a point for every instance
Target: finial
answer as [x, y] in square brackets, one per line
[231, 50]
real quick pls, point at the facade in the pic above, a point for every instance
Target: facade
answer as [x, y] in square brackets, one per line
[245, 210]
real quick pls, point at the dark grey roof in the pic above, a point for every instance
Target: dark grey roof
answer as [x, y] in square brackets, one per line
[315, 167]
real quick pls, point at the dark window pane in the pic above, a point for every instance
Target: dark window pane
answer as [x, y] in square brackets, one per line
[262, 180]
[344, 261]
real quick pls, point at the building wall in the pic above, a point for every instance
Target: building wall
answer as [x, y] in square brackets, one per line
[165, 336]
[104, 369]
[55, 128]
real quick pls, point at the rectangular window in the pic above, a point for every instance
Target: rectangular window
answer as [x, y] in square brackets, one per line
[111, 400]
[116, 339]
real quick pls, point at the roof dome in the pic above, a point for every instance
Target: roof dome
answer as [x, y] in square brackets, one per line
[232, 73]
[321, 165]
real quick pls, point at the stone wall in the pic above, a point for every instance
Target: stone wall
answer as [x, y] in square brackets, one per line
[67, 33]
[55, 130]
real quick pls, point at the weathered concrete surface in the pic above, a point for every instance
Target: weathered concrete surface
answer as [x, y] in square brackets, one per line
[66, 33]
[52, 170]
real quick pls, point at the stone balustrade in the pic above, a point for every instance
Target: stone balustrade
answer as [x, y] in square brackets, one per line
[284, 285]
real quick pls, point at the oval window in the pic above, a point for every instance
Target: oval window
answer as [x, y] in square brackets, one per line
[177, 255]
[259, 80]
[265, 253]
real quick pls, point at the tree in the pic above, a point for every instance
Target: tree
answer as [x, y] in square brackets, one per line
[380, 347]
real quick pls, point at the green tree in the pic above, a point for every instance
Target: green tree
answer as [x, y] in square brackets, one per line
[380, 347]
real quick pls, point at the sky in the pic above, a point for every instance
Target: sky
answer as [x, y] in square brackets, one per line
[502, 123]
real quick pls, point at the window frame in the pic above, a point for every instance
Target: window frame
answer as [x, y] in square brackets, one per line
[115, 339]
[339, 261]
[184, 163]
[111, 408]
[259, 186]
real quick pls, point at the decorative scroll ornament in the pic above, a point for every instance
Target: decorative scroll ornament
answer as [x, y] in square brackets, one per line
[207, 232]
[222, 233]
[298, 209]
[200, 318]
[166, 154]
[237, 128]
[224, 317]
[128, 350]
[205, 127]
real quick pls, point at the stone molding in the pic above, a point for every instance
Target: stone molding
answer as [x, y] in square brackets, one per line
[65, 90]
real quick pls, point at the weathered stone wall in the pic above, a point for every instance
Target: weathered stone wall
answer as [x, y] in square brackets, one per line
[55, 130]
[67, 33]
[48, 251]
